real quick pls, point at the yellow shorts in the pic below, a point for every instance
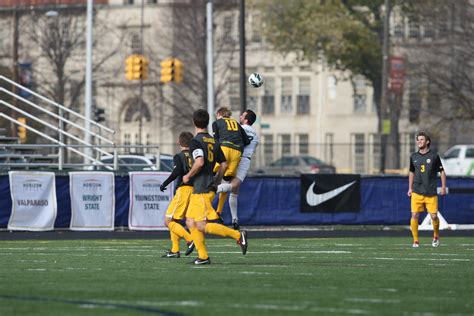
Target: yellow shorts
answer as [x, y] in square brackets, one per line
[179, 203]
[420, 202]
[200, 207]
[232, 156]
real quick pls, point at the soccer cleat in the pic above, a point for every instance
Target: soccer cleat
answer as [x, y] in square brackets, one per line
[243, 242]
[190, 248]
[220, 220]
[199, 261]
[170, 254]
[416, 244]
[236, 225]
[435, 242]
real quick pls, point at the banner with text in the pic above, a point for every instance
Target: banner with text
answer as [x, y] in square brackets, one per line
[147, 203]
[330, 193]
[33, 200]
[92, 200]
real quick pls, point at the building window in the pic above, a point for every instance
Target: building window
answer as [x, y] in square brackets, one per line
[398, 31]
[286, 95]
[303, 96]
[267, 148]
[332, 87]
[268, 99]
[414, 29]
[359, 153]
[443, 28]
[303, 144]
[252, 103]
[428, 31]
[360, 94]
[256, 28]
[228, 29]
[376, 151]
[285, 144]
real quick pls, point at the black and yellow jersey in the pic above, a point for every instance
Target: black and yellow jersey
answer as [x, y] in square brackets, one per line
[425, 168]
[182, 163]
[204, 145]
[229, 133]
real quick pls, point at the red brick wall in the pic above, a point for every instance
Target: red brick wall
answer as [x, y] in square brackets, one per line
[13, 3]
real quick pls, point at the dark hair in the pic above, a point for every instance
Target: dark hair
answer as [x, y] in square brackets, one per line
[201, 118]
[185, 139]
[224, 111]
[251, 116]
[426, 136]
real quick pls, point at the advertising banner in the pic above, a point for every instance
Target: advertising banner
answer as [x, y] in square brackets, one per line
[33, 201]
[330, 193]
[147, 203]
[92, 200]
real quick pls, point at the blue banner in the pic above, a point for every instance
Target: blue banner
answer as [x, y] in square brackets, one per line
[276, 201]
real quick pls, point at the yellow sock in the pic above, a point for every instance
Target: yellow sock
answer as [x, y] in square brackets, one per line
[221, 230]
[199, 242]
[435, 227]
[414, 229]
[174, 242]
[222, 199]
[179, 230]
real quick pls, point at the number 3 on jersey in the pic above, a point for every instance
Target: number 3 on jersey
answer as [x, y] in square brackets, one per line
[422, 168]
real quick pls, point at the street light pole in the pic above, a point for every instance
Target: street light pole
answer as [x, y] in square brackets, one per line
[384, 101]
[243, 86]
[88, 88]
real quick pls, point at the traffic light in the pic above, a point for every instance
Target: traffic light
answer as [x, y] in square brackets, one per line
[136, 67]
[99, 115]
[171, 70]
[178, 71]
[167, 70]
[21, 131]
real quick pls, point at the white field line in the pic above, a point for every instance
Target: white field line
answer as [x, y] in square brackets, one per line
[372, 300]
[424, 259]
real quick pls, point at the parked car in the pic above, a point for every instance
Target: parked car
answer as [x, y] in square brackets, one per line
[296, 165]
[136, 163]
[459, 160]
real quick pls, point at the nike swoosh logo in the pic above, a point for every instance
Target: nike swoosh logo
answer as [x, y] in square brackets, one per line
[314, 199]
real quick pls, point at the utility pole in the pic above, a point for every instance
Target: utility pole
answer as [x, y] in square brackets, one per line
[15, 76]
[210, 64]
[88, 96]
[243, 86]
[140, 122]
[384, 102]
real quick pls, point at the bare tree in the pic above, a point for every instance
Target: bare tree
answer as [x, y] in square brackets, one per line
[445, 66]
[58, 43]
[188, 41]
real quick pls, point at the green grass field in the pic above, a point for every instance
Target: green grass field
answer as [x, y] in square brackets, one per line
[324, 276]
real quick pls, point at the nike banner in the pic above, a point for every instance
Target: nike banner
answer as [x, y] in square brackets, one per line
[330, 193]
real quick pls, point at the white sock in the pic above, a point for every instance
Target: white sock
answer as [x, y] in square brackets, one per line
[224, 187]
[233, 207]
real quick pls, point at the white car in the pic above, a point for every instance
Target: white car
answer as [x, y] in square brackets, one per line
[459, 160]
[136, 163]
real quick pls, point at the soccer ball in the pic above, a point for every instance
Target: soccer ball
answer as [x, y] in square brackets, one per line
[256, 80]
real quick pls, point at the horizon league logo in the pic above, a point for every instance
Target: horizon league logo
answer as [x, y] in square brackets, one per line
[32, 185]
[330, 193]
[151, 185]
[92, 185]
